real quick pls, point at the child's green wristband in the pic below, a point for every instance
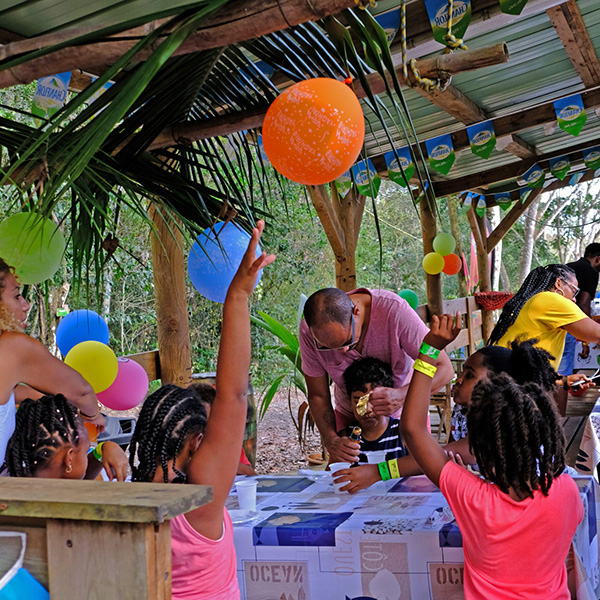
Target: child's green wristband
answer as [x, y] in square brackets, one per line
[384, 471]
[97, 451]
[430, 351]
[393, 467]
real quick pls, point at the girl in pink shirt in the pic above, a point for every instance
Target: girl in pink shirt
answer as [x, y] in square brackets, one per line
[518, 522]
[166, 448]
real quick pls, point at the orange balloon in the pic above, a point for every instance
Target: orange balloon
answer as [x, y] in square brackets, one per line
[452, 264]
[314, 131]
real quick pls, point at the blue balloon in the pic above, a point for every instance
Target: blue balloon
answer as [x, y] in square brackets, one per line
[212, 264]
[80, 326]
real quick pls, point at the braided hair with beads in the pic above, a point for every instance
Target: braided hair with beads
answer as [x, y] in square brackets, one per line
[167, 419]
[515, 435]
[42, 427]
[539, 280]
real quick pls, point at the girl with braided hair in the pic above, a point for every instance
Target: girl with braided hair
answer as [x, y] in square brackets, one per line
[544, 308]
[26, 361]
[524, 497]
[51, 441]
[173, 442]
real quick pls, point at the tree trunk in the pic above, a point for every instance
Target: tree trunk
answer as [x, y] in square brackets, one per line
[528, 241]
[493, 214]
[463, 291]
[434, 282]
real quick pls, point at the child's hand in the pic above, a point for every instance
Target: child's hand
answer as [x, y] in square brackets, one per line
[245, 278]
[358, 478]
[114, 461]
[444, 329]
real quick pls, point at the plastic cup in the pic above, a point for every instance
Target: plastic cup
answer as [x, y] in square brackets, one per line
[246, 491]
[334, 467]
[374, 458]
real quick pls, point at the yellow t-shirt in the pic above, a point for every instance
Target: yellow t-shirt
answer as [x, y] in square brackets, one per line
[542, 317]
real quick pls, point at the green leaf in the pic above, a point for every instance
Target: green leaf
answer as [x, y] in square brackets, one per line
[269, 393]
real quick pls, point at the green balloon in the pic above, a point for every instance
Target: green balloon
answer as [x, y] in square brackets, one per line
[410, 297]
[444, 244]
[33, 245]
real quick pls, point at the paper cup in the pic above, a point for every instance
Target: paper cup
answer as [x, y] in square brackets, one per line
[246, 491]
[334, 467]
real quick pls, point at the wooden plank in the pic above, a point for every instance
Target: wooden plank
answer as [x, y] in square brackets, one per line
[455, 103]
[573, 428]
[520, 148]
[98, 500]
[36, 553]
[150, 361]
[94, 561]
[568, 22]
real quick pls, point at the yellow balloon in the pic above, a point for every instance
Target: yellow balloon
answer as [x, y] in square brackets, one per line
[95, 362]
[433, 263]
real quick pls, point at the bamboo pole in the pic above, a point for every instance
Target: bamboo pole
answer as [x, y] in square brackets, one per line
[434, 68]
[236, 22]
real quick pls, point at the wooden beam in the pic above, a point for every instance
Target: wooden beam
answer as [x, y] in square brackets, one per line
[510, 171]
[568, 22]
[237, 21]
[328, 217]
[456, 104]
[442, 65]
[520, 148]
[509, 124]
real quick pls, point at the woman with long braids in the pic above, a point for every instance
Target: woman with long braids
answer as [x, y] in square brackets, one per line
[544, 309]
[173, 443]
[524, 497]
[26, 361]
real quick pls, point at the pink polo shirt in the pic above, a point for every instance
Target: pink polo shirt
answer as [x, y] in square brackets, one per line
[513, 550]
[394, 336]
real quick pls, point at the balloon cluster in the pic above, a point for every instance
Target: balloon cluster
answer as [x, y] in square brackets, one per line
[442, 257]
[215, 257]
[82, 338]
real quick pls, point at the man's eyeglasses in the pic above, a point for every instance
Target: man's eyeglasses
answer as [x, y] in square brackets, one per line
[574, 288]
[350, 345]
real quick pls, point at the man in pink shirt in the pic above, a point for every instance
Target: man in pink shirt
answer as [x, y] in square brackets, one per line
[339, 328]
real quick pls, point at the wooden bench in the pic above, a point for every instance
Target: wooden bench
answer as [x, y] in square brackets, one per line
[93, 540]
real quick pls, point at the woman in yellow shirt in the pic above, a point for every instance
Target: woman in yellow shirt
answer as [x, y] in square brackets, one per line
[544, 308]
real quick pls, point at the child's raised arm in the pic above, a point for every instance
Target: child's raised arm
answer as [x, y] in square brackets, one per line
[413, 424]
[215, 463]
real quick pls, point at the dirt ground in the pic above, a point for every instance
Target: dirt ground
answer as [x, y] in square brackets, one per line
[277, 446]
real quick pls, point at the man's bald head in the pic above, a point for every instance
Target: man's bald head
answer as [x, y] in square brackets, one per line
[329, 305]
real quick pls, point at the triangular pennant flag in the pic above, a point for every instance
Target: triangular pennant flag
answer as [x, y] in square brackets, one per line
[591, 157]
[512, 7]
[343, 183]
[482, 138]
[390, 23]
[366, 178]
[503, 200]
[466, 205]
[559, 167]
[50, 95]
[570, 114]
[534, 176]
[400, 169]
[575, 178]
[441, 153]
[437, 11]
[481, 206]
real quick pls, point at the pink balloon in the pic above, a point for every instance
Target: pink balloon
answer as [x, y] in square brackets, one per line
[128, 389]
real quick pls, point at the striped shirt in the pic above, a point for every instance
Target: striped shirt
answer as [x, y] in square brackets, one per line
[390, 440]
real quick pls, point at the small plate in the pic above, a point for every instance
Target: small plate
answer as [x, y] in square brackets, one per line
[239, 516]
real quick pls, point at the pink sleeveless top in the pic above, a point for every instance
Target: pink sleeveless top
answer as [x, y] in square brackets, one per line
[203, 569]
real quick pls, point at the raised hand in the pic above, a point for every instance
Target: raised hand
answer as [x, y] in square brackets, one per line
[444, 329]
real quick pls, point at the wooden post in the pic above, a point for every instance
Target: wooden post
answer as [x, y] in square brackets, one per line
[479, 233]
[88, 540]
[341, 219]
[434, 282]
[171, 302]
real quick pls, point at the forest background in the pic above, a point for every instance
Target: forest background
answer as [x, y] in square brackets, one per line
[556, 228]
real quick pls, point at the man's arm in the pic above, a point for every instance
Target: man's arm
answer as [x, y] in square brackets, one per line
[341, 449]
[387, 401]
[584, 301]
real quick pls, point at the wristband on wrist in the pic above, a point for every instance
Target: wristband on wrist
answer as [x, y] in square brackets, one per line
[430, 351]
[384, 471]
[97, 451]
[425, 368]
[393, 468]
[90, 417]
